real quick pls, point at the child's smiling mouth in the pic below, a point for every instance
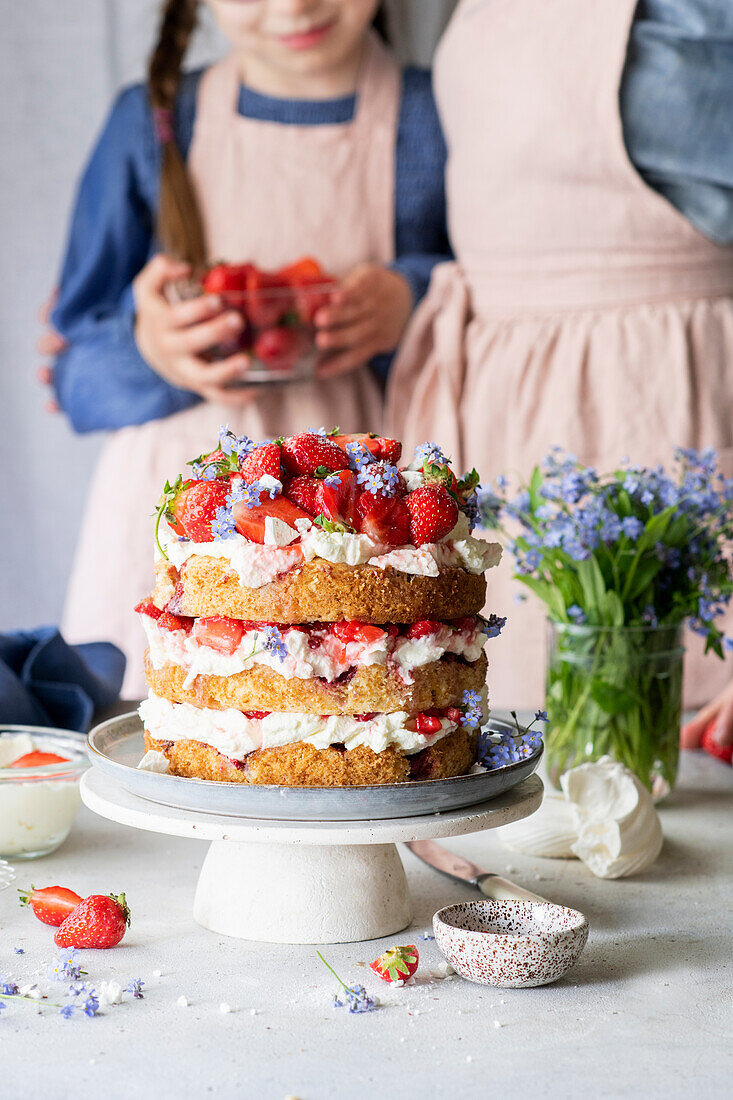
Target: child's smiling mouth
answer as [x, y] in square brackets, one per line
[304, 40]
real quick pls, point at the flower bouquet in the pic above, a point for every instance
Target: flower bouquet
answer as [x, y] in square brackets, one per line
[621, 561]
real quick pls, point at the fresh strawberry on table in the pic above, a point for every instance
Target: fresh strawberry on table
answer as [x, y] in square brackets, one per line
[397, 964]
[52, 904]
[38, 760]
[337, 497]
[219, 632]
[711, 746]
[262, 460]
[304, 453]
[433, 513]
[98, 921]
[195, 505]
[250, 522]
[385, 520]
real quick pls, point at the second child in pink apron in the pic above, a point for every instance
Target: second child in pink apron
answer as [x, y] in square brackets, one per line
[583, 310]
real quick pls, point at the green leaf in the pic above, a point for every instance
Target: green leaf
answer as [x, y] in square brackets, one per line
[549, 595]
[611, 699]
[535, 484]
[594, 589]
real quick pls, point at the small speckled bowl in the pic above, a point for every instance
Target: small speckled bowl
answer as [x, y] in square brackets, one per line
[516, 944]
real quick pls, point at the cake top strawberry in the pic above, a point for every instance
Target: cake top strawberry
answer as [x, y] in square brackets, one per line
[341, 483]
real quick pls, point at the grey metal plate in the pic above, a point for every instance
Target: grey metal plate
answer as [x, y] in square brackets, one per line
[116, 746]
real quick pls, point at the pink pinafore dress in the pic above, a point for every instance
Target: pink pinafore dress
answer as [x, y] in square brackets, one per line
[582, 309]
[270, 193]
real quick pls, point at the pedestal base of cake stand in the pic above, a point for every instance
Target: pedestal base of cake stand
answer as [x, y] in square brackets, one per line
[303, 881]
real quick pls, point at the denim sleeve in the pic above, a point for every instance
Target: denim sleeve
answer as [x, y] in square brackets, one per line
[676, 102]
[101, 379]
[421, 234]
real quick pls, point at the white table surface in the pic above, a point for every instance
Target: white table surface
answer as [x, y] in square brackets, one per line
[647, 1012]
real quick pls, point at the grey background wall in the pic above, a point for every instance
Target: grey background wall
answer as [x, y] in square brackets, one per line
[60, 66]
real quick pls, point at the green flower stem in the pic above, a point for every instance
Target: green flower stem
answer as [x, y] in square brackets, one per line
[328, 965]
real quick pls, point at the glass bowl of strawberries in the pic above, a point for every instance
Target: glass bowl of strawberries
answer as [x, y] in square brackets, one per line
[278, 309]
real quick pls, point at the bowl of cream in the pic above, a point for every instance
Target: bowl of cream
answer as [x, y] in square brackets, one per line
[40, 770]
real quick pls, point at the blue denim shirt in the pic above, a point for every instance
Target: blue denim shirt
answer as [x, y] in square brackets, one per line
[102, 381]
[677, 107]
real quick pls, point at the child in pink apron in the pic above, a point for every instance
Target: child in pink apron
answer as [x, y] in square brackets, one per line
[584, 309]
[273, 179]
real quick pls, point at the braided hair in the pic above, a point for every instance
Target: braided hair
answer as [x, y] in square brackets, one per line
[180, 227]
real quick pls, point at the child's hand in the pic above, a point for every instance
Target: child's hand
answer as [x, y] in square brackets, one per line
[367, 315]
[173, 336]
[721, 708]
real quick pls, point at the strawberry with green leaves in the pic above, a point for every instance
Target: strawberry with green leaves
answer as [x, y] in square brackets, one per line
[99, 921]
[190, 507]
[433, 513]
[397, 964]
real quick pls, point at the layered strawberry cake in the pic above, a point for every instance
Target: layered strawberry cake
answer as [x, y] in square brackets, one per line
[315, 619]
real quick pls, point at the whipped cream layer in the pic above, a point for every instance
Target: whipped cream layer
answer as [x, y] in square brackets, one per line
[311, 652]
[236, 735]
[257, 565]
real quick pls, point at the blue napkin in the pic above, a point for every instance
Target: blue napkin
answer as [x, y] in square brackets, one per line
[45, 682]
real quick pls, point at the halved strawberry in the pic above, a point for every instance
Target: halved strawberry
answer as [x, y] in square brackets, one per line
[302, 491]
[397, 964]
[453, 714]
[147, 607]
[167, 621]
[428, 723]
[337, 498]
[250, 522]
[433, 513]
[38, 760]
[194, 508]
[219, 632]
[304, 453]
[388, 450]
[422, 628]
[262, 460]
[354, 631]
[52, 904]
[384, 519]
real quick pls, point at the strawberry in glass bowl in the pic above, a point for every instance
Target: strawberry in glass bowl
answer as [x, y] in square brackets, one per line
[278, 309]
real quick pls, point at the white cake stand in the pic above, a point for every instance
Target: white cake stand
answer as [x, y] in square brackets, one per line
[303, 882]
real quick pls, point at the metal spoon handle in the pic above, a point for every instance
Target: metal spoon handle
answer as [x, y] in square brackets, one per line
[501, 889]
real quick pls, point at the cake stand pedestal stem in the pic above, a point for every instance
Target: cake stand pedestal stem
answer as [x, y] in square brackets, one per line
[310, 893]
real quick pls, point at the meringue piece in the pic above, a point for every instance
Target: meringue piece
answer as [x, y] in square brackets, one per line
[619, 832]
[154, 761]
[279, 533]
[549, 832]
